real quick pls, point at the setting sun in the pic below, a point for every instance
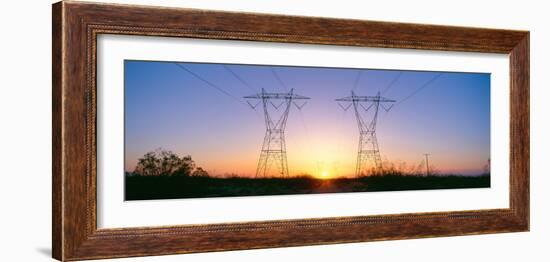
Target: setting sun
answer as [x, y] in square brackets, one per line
[324, 175]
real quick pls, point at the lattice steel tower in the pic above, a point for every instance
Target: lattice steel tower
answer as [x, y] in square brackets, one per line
[274, 147]
[368, 153]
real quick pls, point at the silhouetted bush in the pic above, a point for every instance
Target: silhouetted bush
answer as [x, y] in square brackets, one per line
[166, 163]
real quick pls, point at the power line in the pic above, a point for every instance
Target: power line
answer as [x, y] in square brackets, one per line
[357, 77]
[420, 89]
[208, 83]
[393, 82]
[240, 78]
[278, 79]
[308, 140]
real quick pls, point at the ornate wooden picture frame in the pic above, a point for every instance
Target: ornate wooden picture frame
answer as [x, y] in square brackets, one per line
[76, 27]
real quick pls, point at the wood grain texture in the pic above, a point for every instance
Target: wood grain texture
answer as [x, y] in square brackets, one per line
[57, 195]
[76, 26]
[519, 129]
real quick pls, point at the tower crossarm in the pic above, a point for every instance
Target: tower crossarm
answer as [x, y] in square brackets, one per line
[276, 96]
[355, 98]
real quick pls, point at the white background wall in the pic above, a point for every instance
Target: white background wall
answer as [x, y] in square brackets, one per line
[25, 136]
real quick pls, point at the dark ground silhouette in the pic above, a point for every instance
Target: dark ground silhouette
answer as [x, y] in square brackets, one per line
[173, 187]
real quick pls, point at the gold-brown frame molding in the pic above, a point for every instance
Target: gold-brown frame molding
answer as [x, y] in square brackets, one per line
[75, 28]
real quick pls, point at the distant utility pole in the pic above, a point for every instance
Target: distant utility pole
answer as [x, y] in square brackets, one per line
[274, 146]
[368, 151]
[427, 165]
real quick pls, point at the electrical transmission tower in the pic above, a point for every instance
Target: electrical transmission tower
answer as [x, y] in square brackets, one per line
[274, 147]
[427, 165]
[368, 153]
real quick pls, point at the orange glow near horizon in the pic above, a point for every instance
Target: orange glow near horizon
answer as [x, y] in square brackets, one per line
[324, 175]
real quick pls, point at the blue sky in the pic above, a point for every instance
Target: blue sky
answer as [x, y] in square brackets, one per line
[167, 107]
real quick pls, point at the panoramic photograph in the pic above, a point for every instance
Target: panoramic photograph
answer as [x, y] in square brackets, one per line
[200, 130]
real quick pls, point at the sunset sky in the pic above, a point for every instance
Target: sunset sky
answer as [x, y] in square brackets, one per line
[167, 107]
